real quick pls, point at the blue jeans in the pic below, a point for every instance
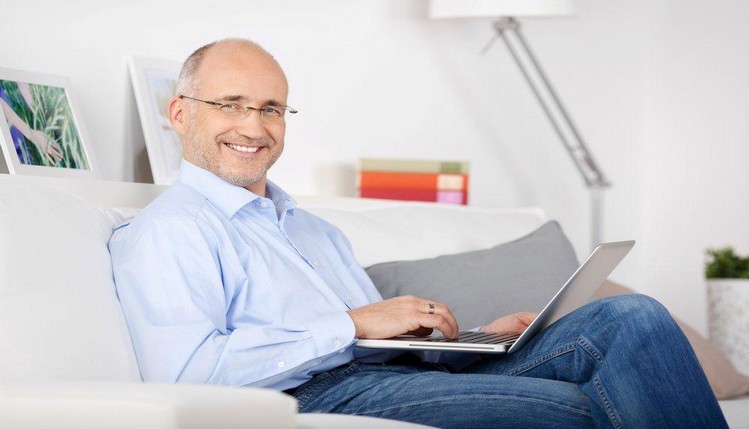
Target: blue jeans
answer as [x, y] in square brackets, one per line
[618, 362]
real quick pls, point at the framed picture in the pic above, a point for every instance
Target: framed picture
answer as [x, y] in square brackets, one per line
[40, 130]
[154, 82]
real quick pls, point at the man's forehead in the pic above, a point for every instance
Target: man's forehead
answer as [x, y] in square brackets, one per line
[244, 90]
[243, 73]
[250, 58]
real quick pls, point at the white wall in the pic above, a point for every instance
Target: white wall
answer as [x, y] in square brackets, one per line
[657, 88]
[695, 151]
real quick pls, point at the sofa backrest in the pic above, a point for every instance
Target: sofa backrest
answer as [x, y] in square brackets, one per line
[396, 231]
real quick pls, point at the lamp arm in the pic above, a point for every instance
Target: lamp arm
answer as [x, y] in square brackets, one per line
[560, 121]
[574, 143]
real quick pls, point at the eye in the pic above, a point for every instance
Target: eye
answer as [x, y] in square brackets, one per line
[231, 108]
[271, 111]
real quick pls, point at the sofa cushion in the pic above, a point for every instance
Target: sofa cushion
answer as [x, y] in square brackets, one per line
[58, 307]
[481, 285]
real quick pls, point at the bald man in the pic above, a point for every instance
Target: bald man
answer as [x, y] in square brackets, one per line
[223, 280]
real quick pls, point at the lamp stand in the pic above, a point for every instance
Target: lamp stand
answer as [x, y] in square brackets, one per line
[508, 29]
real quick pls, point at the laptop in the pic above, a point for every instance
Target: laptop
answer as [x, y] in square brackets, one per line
[574, 293]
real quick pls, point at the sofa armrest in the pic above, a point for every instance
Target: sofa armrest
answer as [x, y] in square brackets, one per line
[131, 405]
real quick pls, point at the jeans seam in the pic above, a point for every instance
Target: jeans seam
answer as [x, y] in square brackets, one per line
[613, 417]
[307, 394]
[590, 349]
[593, 352]
[538, 361]
[473, 397]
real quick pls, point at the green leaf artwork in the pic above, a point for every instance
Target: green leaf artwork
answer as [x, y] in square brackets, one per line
[42, 125]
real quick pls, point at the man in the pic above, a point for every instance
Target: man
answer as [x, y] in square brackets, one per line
[223, 280]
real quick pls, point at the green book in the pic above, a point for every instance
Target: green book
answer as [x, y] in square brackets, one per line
[413, 166]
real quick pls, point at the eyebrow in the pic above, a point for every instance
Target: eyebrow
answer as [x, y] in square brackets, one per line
[243, 98]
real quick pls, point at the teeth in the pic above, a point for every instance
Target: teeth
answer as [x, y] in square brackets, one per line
[242, 148]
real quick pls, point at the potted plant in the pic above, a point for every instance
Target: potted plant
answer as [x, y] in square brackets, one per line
[727, 277]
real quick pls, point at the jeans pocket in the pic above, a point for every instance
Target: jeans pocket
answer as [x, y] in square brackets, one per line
[527, 366]
[310, 389]
[321, 382]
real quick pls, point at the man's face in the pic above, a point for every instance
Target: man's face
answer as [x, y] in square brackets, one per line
[240, 149]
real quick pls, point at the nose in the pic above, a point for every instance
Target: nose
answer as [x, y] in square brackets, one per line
[252, 125]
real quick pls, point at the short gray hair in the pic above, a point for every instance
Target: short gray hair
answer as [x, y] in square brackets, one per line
[187, 83]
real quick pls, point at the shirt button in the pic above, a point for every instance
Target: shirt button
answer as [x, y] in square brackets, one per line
[281, 364]
[337, 342]
[264, 204]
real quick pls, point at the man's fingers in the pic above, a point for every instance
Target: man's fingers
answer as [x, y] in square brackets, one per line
[439, 309]
[440, 323]
[444, 311]
[527, 317]
[421, 332]
[405, 314]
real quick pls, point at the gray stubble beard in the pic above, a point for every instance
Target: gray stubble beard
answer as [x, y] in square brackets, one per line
[203, 159]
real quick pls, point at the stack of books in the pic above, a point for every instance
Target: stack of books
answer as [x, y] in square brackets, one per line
[414, 180]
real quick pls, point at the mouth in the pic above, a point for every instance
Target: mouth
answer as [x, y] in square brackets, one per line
[244, 149]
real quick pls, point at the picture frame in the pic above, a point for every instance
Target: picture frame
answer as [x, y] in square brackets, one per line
[41, 132]
[154, 82]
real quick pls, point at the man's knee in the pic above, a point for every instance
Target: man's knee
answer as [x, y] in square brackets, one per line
[635, 309]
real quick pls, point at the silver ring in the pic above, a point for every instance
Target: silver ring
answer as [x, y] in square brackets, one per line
[431, 308]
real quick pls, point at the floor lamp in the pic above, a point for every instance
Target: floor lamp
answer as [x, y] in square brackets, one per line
[507, 28]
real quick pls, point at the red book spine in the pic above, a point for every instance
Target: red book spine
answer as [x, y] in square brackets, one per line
[426, 181]
[399, 194]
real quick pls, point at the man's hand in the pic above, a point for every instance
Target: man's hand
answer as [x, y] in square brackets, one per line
[47, 146]
[403, 315]
[514, 323]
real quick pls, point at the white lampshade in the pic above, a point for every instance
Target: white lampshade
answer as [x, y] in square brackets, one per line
[439, 9]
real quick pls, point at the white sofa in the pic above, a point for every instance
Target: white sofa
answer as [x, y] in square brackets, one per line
[66, 359]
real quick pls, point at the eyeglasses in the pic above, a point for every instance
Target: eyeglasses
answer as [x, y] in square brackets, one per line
[237, 111]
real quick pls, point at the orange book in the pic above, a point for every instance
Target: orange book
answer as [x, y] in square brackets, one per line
[431, 181]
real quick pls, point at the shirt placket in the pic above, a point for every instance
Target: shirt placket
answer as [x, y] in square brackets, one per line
[268, 211]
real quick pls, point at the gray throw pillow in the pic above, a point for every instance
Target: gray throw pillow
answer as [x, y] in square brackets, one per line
[481, 285]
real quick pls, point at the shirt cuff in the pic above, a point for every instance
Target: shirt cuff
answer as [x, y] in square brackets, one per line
[332, 332]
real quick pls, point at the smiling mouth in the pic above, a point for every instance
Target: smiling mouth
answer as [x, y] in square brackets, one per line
[245, 149]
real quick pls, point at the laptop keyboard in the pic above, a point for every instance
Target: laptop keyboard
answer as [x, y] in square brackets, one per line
[477, 338]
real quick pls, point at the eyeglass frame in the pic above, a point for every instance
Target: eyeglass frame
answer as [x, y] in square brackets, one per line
[247, 109]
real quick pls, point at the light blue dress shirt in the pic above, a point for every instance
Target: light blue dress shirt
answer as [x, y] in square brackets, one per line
[221, 286]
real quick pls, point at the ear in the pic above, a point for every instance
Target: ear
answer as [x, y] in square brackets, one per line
[177, 115]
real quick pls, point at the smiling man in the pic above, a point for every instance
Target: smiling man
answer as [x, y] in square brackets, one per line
[223, 136]
[223, 280]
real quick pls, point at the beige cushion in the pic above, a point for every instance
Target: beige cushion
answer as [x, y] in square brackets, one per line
[722, 375]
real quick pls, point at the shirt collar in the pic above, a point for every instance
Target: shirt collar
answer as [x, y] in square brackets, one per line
[227, 197]
[281, 199]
